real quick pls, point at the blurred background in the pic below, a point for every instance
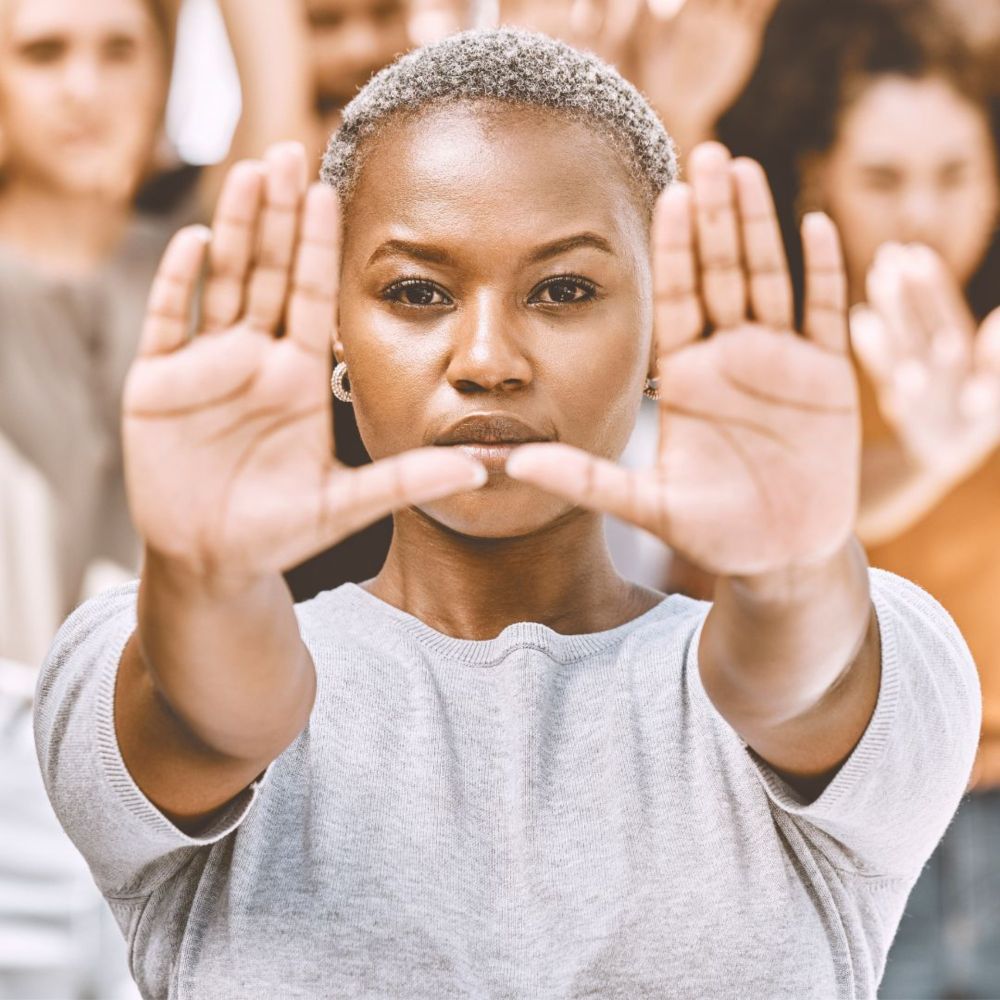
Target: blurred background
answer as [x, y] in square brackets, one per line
[118, 119]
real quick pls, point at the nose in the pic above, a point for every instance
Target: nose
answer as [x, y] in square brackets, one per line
[82, 78]
[919, 215]
[487, 353]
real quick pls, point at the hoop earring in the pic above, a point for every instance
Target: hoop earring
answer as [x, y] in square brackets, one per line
[651, 390]
[338, 383]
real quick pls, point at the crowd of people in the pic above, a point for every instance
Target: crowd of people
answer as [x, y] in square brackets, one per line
[884, 114]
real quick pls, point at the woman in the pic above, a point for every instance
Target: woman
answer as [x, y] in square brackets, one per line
[879, 114]
[499, 768]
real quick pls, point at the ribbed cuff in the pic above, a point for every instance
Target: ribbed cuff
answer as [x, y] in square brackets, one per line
[125, 790]
[867, 755]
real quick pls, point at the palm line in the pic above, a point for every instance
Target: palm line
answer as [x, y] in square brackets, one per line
[766, 397]
[715, 419]
[188, 411]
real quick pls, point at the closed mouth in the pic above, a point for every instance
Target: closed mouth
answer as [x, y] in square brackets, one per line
[490, 430]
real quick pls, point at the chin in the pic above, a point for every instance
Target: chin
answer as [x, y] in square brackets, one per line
[503, 508]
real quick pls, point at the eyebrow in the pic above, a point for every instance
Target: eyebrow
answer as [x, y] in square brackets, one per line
[437, 255]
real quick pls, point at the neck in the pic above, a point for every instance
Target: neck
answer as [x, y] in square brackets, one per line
[64, 234]
[473, 588]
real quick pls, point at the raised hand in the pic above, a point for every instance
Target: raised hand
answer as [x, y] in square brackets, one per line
[693, 64]
[936, 377]
[602, 26]
[228, 433]
[759, 451]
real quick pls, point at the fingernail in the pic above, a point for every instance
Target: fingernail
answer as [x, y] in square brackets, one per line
[513, 460]
[478, 475]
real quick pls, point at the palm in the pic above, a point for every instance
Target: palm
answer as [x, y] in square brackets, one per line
[694, 64]
[229, 445]
[742, 412]
[758, 463]
[228, 435]
[937, 383]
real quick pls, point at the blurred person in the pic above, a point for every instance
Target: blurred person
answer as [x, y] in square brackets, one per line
[86, 208]
[879, 114]
[498, 766]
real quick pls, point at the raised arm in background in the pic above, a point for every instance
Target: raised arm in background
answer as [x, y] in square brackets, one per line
[937, 381]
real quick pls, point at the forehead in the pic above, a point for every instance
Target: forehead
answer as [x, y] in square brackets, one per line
[506, 175]
[38, 16]
[898, 119]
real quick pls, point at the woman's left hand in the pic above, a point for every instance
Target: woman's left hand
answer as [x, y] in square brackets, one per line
[759, 454]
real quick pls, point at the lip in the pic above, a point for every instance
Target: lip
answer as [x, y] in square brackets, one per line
[490, 437]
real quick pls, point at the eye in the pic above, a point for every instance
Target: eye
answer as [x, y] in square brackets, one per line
[120, 49]
[881, 179]
[44, 50]
[417, 292]
[566, 289]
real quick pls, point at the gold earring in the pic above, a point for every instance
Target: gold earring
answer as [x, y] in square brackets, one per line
[339, 384]
[651, 390]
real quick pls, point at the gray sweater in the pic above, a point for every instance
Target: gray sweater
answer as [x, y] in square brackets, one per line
[532, 817]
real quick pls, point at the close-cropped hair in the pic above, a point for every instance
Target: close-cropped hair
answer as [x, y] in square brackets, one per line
[506, 66]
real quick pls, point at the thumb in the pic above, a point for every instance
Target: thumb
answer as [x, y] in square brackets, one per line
[355, 498]
[987, 349]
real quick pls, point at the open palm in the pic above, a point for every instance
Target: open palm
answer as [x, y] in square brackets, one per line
[758, 461]
[228, 434]
[936, 375]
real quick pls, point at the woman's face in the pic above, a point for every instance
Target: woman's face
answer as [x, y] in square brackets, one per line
[82, 88]
[496, 272]
[352, 39]
[914, 161]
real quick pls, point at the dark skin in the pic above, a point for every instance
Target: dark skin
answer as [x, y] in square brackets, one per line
[488, 275]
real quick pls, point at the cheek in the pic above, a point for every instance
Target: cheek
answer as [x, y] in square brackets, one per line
[971, 222]
[393, 373]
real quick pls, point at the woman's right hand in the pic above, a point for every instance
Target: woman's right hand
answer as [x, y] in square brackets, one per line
[228, 433]
[937, 377]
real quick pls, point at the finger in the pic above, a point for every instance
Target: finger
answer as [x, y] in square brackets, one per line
[359, 497]
[988, 344]
[937, 298]
[284, 187]
[233, 230]
[585, 480]
[168, 312]
[678, 319]
[312, 306]
[825, 313]
[722, 281]
[885, 290]
[763, 249]
[872, 345]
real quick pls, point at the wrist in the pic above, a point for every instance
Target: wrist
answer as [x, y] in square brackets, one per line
[801, 583]
[180, 578]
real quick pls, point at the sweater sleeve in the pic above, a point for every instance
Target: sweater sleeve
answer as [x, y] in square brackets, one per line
[892, 799]
[130, 846]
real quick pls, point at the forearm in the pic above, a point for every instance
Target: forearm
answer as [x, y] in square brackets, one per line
[776, 649]
[229, 662]
[213, 686]
[270, 43]
[895, 493]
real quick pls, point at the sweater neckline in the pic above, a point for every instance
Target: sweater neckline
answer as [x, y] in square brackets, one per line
[519, 635]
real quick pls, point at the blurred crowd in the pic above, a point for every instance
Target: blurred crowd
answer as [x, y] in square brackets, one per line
[883, 113]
